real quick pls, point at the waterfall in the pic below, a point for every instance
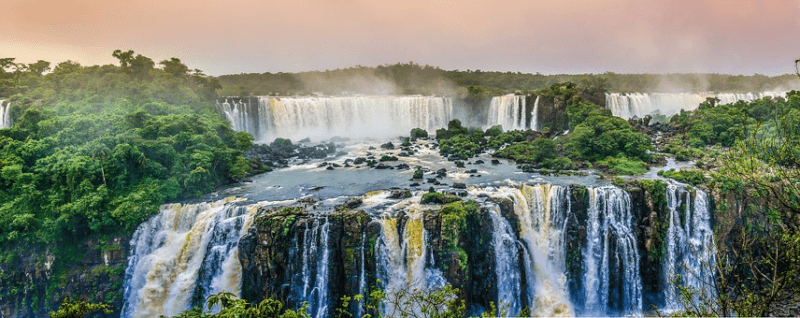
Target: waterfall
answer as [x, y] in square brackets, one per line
[535, 115]
[188, 252]
[5, 115]
[310, 284]
[510, 111]
[239, 114]
[183, 250]
[690, 255]
[541, 211]
[401, 260]
[344, 116]
[506, 254]
[642, 104]
[611, 255]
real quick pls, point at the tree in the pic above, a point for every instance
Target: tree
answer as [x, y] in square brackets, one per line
[39, 67]
[174, 67]
[123, 57]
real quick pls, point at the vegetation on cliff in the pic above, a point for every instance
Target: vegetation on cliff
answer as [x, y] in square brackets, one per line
[747, 153]
[595, 138]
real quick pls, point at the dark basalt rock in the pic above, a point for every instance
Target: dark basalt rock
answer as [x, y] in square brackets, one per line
[441, 172]
[387, 146]
[478, 162]
[459, 185]
[278, 153]
[400, 194]
[495, 162]
[359, 161]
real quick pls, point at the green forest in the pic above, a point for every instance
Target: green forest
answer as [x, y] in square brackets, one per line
[413, 78]
[95, 150]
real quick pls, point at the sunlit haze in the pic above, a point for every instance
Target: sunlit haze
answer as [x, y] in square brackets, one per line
[576, 36]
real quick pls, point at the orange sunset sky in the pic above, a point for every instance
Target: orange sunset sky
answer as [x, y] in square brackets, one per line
[567, 36]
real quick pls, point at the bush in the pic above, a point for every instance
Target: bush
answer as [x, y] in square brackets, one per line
[693, 176]
[418, 133]
[536, 151]
[494, 131]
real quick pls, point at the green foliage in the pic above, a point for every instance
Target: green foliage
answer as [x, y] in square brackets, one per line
[601, 135]
[418, 133]
[437, 198]
[536, 151]
[96, 150]
[418, 174]
[454, 221]
[78, 309]
[622, 165]
[494, 131]
[412, 78]
[693, 177]
[505, 138]
[232, 307]
[461, 146]
[453, 128]
[388, 158]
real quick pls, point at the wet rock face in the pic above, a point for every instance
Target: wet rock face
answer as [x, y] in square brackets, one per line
[39, 285]
[286, 244]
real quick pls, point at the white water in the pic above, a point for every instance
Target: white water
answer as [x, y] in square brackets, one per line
[5, 114]
[188, 252]
[314, 271]
[344, 116]
[610, 222]
[641, 104]
[690, 256]
[402, 260]
[511, 112]
[506, 254]
[542, 216]
[169, 251]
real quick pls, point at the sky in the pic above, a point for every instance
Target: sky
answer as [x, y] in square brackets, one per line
[549, 37]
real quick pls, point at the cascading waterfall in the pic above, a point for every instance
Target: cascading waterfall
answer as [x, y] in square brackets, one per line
[535, 114]
[402, 260]
[344, 116]
[5, 114]
[183, 250]
[541, 217]
[690, 255]
[310, 284]
[506, 254]
[611, 254]
[641, 104]
[188, 252]
[510, 111]
[239, 114]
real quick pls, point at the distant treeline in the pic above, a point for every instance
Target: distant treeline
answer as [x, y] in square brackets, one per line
[411, 78]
